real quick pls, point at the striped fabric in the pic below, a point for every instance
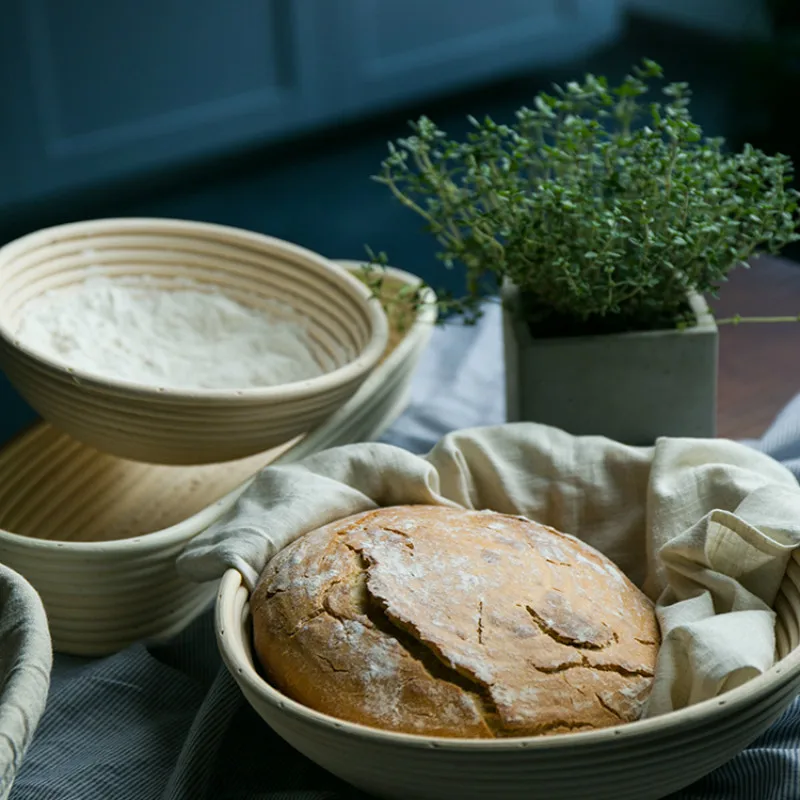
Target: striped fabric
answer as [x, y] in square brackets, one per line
[168, 723]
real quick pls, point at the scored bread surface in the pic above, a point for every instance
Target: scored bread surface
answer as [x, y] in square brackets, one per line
[445, 622]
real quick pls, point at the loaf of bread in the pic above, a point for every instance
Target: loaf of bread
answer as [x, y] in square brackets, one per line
[444, 622]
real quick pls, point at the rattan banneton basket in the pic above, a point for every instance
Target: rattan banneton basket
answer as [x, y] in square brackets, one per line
[643, 760]
[97, 535]
[348, 330]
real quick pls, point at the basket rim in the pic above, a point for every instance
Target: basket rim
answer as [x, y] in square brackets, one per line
[244, 672]
[320, 384]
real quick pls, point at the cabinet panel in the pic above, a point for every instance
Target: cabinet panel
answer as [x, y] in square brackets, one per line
[106, 72]
[735, 18]
[104, 89]
[402, 49]
[394, 41]
[108, 88]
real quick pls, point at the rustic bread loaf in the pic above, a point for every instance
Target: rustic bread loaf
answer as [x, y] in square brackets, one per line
[445, 622]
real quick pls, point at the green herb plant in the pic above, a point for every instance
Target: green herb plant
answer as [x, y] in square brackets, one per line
[604, 209]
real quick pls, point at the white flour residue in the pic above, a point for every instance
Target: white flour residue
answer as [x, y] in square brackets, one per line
[614, 573]
[467, 581]
[383, 691]
[592, 565]
[382, 656]
[311, 585]
[552, 552]
[392, 558]
[182, 338]
[507, 696]
[634, 691]
[380, 667]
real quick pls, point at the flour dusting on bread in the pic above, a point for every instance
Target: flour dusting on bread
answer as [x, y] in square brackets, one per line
[435, 620]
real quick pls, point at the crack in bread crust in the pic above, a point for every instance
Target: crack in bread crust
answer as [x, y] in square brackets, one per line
[608, 707]
[429, 658]
[565, 637]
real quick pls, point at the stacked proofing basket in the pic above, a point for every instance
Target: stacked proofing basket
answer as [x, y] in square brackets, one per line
[72, 517]
[346, 332]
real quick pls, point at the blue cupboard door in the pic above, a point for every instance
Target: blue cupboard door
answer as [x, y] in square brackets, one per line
[93, 89]
[402, 50]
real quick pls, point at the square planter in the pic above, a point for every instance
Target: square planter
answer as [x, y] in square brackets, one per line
[632, 387]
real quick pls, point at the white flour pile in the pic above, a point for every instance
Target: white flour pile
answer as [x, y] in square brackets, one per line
[181, 338]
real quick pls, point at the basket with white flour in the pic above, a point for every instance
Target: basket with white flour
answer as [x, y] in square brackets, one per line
[182, 342]
[71, 516]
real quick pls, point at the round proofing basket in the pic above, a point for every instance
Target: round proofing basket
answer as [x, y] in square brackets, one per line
[642, 760]
[68, 519]
[70, 515]
[347, 329]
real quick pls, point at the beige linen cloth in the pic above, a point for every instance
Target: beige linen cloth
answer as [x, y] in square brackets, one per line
[705, 527]
[26, 659]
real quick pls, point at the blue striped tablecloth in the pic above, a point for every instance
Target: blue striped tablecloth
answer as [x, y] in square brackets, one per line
[167, 722]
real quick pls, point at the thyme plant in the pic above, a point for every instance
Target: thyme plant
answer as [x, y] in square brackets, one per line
[605, 209]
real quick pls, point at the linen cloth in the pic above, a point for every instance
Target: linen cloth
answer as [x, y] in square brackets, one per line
[25, 661]
[706, 527]
[167, 722]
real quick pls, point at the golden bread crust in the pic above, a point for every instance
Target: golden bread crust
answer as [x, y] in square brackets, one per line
[445, 622]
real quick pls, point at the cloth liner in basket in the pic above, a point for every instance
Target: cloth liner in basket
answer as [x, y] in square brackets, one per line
[705, 527]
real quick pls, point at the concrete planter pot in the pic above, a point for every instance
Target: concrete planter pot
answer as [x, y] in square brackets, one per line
[632, 387]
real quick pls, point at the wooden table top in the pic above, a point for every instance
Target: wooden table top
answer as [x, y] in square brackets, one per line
[759, 363]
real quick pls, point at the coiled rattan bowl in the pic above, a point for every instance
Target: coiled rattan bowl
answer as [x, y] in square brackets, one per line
[642, 760]
[347, 328]
[97, 536]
